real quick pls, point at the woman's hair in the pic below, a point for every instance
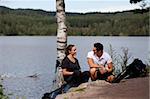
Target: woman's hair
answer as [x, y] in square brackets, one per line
[68, 48]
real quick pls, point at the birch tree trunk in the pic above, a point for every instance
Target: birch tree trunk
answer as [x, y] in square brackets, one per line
[61, 38]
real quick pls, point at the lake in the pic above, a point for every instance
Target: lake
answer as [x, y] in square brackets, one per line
[25, 56]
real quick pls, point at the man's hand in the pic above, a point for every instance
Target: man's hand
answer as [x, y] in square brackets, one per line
[109, 67]
[102, 69]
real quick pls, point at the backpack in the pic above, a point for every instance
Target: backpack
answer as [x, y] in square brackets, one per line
[136, 69]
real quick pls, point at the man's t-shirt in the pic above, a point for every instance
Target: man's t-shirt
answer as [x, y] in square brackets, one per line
[103, 60]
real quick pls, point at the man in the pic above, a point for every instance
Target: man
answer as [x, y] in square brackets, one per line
[100, 64]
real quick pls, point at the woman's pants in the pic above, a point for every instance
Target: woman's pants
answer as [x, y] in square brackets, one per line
[75, 80]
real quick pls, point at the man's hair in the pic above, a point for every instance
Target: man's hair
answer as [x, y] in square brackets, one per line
[98, 46]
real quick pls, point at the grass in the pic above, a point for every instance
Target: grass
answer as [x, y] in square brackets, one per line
[79, 89]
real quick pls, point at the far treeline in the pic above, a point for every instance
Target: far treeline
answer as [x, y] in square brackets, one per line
[19, 22]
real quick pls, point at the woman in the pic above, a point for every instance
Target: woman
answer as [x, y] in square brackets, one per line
[71, 72]
[71, 68]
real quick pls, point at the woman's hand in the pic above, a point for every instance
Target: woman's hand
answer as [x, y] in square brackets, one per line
[76, 73]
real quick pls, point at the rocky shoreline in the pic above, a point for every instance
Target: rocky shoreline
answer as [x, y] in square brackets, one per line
[136, 88]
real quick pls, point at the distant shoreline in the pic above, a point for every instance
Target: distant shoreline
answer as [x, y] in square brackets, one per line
[30, 22]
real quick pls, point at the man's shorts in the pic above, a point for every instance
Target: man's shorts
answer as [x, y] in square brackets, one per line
[102, 76]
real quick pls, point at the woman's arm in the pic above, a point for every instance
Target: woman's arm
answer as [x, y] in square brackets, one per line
[65, 72]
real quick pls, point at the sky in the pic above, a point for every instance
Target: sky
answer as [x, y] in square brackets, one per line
[81, 6]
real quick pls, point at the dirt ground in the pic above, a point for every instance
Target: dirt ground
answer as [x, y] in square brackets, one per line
[136, 88]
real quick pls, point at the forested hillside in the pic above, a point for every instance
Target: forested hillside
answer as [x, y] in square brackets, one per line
[39, 22]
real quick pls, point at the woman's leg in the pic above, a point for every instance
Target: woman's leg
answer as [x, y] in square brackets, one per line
[63, 89]
[85, 76]
[53, 94]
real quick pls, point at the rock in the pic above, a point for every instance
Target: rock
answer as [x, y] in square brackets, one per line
[137, 88]
[33, 76]
[82, 89]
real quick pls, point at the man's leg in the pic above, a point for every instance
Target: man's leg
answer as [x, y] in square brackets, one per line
[93, 74]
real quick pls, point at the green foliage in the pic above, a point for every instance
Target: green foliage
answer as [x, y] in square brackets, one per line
[38, 22]
[26, 22]
[125, 57]
[120, 61]
[135, 1]
[2, 96]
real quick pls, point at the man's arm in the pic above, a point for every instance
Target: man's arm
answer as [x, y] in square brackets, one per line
[109, 68]
[91, 63]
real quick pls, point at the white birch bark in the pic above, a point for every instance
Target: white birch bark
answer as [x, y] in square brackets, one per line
[61, 38]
